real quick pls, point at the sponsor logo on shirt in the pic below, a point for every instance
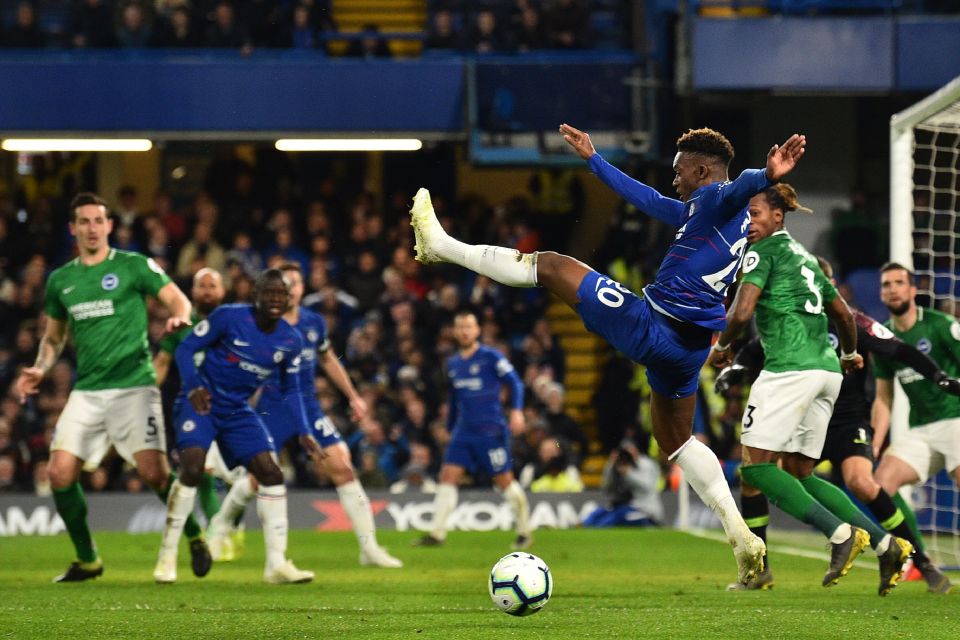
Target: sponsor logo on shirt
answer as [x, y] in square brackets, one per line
[109, 282]
[907, 375]
[470, 384]
[250, 367]
[94, 309]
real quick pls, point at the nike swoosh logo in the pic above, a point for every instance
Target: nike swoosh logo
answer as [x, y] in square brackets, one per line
[241, 343]
[69, 289]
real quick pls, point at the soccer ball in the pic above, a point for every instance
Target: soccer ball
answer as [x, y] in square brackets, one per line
[520, 584]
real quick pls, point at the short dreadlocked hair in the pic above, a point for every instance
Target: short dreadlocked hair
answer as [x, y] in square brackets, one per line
[706, 142]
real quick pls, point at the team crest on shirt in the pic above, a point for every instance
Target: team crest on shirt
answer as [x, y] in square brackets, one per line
[750, 261]
[278, 356]
[834, 341]
[924, 345]
[188, 426]
[202, 328]
[312, 335]
[109, 282]
[474, 369]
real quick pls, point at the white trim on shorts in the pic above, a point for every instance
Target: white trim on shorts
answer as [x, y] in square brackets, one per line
[129, 419]
[929, 448]
[788, 412]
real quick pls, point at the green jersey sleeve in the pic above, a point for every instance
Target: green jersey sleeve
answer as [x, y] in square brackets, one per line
[53, 305]
[948, 332]
[757, 266]
[150, 277]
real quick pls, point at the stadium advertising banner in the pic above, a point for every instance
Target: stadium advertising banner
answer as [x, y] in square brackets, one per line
[29, 515]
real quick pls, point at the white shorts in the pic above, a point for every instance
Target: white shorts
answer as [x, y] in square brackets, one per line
[216, 466]
[129, 419]
[789, 412]
[929, 448]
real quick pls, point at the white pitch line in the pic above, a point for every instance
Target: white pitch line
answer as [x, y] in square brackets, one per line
[779, 548]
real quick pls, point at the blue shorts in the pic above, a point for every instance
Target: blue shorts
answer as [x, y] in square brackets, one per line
[282, 423]
[490, 453]
[672, 352]
[239, 432]
[622, 516]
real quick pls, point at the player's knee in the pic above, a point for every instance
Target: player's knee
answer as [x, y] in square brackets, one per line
[270, 477]
[61, 477]
[189, 475]
[341, 474]
[864, 488]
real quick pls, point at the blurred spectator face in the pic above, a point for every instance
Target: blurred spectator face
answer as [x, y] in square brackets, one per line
[449, 297]
[466, 330]
[373, 430]
[98, 479]
[320, 245]
[180, 19]
[132, 483]
[202, 233]
[443, 23]
[358, 233]
[284, 238]
[242, 242]
[243, 290]
[224, 16]
[417, 412]
[530, 18]
[132, 21]
[486, 22]
[207, 292]
[548, 450]
[402, 312]
[7, 470]
[367, 262]
[25, 342]
[25, 15]
[420, 455]
[554, 398]
[301, 17]
[374, 226]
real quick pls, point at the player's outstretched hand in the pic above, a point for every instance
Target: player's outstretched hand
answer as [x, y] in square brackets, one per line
[358, 408]
[783, 158]
[851, 365]
[720, 359]
[579, 140]
[311, 446]
[518, 424]
[29, 382]
[174, 324]
[200, 400]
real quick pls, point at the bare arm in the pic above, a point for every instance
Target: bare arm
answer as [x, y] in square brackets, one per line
[161, 365]
[51, 346]
[880, 413]
[177, 304]
[846, 326]
[338, 375]
[744, 304]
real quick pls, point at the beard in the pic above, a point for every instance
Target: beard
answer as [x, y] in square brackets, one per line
[900, 309]
[205, 308]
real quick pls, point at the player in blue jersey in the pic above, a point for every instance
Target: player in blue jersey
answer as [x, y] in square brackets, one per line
[480, 436]
[243, 346]
[280, 418]
[670, 328]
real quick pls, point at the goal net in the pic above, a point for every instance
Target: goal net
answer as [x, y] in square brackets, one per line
[925, 234]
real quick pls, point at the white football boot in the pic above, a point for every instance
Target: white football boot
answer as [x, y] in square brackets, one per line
[378, 557]
[287, 573]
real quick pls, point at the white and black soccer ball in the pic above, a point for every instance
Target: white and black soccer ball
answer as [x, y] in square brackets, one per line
[520, 584]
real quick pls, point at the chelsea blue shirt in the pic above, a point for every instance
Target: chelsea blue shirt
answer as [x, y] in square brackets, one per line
[475, 391]
[239, 358]
[706, 251]
[312, 328]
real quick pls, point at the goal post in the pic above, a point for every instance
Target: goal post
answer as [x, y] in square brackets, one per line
[925, 237]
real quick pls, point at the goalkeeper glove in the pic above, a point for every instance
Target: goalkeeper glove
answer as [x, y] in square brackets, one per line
[947, 384]
[730, 376]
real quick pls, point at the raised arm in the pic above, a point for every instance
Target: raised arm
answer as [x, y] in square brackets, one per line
[177, 304]
[51, 345]
[738, 317]
[645, 198]
[882, 342]
[341, 379]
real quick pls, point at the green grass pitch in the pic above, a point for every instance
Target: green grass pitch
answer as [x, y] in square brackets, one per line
[608, 584]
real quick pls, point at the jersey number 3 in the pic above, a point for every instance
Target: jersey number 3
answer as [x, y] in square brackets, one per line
[816, 308]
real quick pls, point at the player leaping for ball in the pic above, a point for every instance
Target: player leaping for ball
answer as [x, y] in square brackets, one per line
[243, 345]
[671, 327]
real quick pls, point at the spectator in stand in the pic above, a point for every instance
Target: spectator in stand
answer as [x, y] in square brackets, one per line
[562, 426]
[133, 31]
[8, 473]
[442, 34]
[284, 250]
[127, 215]
[486, 37]
[201, 251]
[630, 493]
[91, 25]
[529, 32]
[567, 23]
[303, 32]
[552, 473]
[176, 31]
[366, 283]
[370, 44]
[389, 454]
[225, 32]
[25, 33]
[243, 254]
[416, 475]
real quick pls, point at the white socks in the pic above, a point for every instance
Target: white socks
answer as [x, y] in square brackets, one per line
[180, 503]
[521, 508]
[272, 509]
[506, 266]
[884, 544]
[357, 505]
[842, 534]
[702, 470]
[444, 502]
[241, 492]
